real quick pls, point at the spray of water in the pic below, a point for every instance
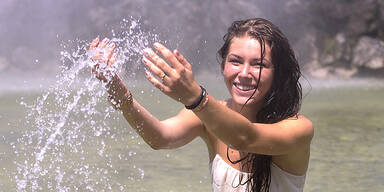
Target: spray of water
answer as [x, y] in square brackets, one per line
[72, 129]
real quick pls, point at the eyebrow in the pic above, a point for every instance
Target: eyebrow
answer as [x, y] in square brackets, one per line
[257, 59]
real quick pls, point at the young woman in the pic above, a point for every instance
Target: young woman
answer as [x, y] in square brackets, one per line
[257, 140]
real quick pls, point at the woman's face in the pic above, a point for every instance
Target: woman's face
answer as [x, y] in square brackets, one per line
[242, 68]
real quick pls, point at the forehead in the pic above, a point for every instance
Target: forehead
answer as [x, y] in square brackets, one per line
[247, 46]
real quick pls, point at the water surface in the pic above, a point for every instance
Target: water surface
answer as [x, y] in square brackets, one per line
[346, 150]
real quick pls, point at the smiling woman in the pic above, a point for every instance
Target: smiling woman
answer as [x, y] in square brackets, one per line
[257, 140]
[242, 71]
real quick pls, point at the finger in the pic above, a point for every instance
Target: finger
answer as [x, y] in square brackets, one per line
[94, 43]
[158, 61]
[109, 51]
[103, 43]
[104, 52]
[99, 57]
[156, 82]
[168, 55]
[182, 59]
[112, 60]
[158, 72]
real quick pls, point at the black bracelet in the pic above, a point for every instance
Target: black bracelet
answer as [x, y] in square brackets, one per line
[198, 101]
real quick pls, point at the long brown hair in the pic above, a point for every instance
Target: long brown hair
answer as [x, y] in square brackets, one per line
[284, 97]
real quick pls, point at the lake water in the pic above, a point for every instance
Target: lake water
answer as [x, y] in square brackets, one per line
[346, 154]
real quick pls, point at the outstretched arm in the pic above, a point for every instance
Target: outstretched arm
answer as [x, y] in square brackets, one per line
[229, 126]
[271, 139]
[170, 133]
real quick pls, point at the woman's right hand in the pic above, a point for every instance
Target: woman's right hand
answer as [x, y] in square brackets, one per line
[102, 53]
[170, 133]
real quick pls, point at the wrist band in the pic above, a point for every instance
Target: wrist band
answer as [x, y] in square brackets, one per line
[203, 104]
[198, 101]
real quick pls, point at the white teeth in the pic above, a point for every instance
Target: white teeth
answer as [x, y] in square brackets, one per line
[244, 87]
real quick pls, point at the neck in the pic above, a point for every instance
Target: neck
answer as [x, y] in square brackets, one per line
[249, 111]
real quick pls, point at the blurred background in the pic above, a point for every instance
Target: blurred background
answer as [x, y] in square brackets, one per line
[332, 38]
[339, 44]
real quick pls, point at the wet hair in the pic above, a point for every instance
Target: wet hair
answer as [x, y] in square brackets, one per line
[283, 99]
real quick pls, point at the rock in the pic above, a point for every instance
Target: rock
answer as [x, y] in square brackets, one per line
[345, 73]
[369, 53]
[307, 52]
[333, 72]
[320, 72]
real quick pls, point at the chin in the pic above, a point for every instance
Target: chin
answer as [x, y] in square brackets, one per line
[243, 100]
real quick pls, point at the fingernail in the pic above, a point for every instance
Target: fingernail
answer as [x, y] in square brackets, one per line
[105, 40]
[176, 52]
[111, 45]
[144, 59]
[156, 45]
[146, 51]
[95, 40]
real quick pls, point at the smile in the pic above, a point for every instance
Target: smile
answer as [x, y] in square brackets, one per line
[244, 87]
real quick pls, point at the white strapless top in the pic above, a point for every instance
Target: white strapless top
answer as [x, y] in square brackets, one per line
[226, 178]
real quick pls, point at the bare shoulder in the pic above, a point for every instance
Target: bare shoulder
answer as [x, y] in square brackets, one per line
[306, 126]
[300, 125]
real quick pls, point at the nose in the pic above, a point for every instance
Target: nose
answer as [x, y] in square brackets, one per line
[245, 70]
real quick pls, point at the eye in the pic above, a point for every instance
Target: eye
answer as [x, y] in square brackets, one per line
[258, 65]
[234, 61]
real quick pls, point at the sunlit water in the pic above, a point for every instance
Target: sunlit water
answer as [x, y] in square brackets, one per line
[68, 138]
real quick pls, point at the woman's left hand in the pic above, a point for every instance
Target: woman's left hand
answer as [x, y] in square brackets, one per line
[174, 74]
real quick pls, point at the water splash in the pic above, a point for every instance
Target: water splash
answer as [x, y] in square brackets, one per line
[72, 129]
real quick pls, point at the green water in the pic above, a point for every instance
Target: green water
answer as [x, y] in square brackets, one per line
[346, 155]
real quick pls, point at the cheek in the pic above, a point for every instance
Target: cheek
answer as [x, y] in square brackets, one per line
[267, 79]
[226, 72]
[230, 70]
[229, 75]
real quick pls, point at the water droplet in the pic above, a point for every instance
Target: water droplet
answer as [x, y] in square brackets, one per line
[72, 115]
